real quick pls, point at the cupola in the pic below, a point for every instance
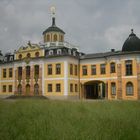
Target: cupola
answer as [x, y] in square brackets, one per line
[132, 43]
[53, 33]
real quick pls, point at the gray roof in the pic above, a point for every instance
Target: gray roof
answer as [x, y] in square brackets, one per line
[107, 54]
[53, 28]
[132, 43]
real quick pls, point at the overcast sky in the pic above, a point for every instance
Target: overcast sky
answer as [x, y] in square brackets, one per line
[93, 25]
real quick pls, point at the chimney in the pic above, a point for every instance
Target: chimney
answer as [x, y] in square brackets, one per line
[112, 50]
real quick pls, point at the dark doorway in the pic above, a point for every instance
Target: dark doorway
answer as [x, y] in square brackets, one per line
[94, 90]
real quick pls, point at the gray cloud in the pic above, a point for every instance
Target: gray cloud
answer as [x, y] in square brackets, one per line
[93, 25]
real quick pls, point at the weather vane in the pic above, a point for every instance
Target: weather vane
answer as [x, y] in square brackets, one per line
[53, 10]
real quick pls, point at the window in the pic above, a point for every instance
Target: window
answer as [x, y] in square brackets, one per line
[49, 87]
[113, 88]
[71, 69]
[71, 87]
[69, 52]
[48, 38]
[49, 69]
[74, 53]
[27, 71]
[55, 38]
[10, 88]
[58, 88]
[37, 54]
[10, 72]
[20, 56]
[59, 52]
[11, 58]
[19, 72]
[84, 69]
[76, 88]
[112, 67]
[5, 59]
[75, 69]
[28, 55]
[128, 67]
[4, 73]
[61, 38]
[51, 52]
[129, 88]
[4, 88]
[93, 69]
[36, 73]
[19, 89]
[58, 68]
[102, 69]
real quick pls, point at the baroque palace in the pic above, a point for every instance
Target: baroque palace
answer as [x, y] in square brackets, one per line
[56, 69]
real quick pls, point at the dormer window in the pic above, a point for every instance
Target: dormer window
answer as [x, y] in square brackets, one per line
[5, 59]
[69, 51]
[51, 52]
[74, 53]
[11, 58]
[59, 52]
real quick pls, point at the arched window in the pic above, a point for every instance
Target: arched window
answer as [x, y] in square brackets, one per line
[112, 67]
[20, 89]
[27, 89]
[55, 38]
[20, 56]
[36, 89]
[28, 55]
[113, 88]
[48, 38]
[61, 38]
[59, 51]
[11, 58]
[51, 52]
[129, 88]
[37, 54]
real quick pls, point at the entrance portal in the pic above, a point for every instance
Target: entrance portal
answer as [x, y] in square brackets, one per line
[94, 90]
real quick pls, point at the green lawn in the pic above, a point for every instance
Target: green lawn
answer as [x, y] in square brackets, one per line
[36, 119]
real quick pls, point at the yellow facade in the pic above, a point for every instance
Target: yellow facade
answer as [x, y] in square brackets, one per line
[31, 49]
[56, 68]
[7, 80]
[54, 75]
[53, 37]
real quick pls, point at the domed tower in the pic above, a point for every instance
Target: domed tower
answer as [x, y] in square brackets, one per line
[53, 33]
[132, 43]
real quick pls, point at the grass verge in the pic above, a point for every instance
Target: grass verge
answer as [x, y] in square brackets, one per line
[36, 119]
